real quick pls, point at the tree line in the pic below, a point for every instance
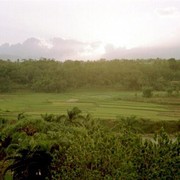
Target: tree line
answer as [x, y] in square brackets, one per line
[47, 75]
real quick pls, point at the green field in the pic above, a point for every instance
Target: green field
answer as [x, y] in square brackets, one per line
[100, 104]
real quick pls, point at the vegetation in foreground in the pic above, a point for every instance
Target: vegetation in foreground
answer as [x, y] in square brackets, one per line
[76, 146]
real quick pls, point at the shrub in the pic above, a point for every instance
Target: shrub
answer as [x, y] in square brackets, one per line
[147, 92]
[158, 159]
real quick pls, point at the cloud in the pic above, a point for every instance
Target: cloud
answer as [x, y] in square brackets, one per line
[57, 48]
[144, 52]
[63, 49]
[30, 48]
[168, 12]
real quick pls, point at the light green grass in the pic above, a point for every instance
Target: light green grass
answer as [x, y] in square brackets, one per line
[101, 104]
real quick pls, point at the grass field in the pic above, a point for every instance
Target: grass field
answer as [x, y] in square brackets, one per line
[100, 104]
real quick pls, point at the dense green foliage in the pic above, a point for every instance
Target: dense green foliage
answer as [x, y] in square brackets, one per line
[53, 76]
[76, 146]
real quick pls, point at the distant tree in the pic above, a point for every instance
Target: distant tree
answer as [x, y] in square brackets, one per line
[5, 84]
[47, 75]
[172, 64]
[169, 91]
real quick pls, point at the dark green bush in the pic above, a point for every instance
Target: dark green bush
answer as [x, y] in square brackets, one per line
[147, 92]
[158, 159]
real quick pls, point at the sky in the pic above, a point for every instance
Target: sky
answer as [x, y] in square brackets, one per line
[89, 29]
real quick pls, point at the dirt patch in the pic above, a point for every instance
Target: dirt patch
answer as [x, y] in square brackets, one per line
[72, 100]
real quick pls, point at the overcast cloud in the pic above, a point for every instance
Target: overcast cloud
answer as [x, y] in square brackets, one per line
[56, 48]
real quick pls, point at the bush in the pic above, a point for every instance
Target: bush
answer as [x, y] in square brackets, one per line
[147, 92]
[169, 91]
[158, 159]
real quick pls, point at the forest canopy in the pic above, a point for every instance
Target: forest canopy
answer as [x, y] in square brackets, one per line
[47, 75]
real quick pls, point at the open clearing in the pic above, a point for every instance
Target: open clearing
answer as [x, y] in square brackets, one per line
[100, 104]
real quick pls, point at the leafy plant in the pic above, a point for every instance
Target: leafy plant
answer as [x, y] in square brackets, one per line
[30, 164]
[159, 158]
